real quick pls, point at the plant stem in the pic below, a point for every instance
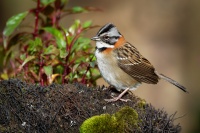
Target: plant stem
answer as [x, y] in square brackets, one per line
[68, 49]
[64, 74]
[37, 11]
[88, 68]
[75, 38]
[41, 71]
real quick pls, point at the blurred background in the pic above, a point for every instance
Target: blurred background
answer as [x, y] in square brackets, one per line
[167, 33]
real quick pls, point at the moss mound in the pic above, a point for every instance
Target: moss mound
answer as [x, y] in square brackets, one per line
[63, 108]
[122, 121]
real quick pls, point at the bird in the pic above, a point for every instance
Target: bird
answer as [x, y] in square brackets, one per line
[121, 64]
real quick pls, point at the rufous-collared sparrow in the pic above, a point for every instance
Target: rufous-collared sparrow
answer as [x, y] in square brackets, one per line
[122, 65]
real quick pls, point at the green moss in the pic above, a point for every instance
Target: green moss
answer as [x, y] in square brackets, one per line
[104, 123]
[141, 103]
[2, 129]
[127, 114]
[121, 122]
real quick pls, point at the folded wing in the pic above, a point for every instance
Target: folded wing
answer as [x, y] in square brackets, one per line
[134, 64]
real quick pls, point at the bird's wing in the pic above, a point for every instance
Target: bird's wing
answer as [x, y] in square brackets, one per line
[134, 64]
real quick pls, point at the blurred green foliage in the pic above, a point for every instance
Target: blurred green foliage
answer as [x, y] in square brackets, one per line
[49, 52]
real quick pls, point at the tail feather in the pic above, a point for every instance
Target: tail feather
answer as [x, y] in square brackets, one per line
[173, 82]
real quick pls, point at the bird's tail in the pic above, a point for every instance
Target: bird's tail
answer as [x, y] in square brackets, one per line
[172, 82]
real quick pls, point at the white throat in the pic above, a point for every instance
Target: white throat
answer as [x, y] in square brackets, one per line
[101, 44]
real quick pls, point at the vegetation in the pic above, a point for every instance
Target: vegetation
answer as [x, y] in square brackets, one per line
[46, 52]
[73, 108]
[125, 120]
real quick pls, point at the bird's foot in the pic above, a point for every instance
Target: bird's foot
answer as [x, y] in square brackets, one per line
[114, 99]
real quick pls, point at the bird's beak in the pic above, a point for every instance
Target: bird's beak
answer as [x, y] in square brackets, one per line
[96, 38]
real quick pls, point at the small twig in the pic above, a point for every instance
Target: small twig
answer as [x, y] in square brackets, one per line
[180, 116]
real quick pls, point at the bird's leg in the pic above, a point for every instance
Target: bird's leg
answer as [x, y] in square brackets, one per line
[119, 97]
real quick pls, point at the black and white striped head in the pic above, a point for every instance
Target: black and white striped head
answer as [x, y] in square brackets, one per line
[106, 37]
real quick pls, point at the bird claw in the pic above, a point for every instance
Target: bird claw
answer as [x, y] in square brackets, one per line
[114, 99]
[124, 100]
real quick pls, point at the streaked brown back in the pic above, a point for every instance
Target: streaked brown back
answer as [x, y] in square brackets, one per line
[134, 64]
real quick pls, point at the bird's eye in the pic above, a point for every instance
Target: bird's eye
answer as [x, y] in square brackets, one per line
[106, 37]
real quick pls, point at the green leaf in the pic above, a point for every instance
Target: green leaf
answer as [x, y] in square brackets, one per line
[60, 40]
[48, 70]
[23, 56]
[69, 39]
[35, 45]
[92, 64]
[13, 22]
[51, 49]
[81, 44]
[11, 25]
[29, 58]
[59, 69]
[80, 59]
[78, 9]
[46, 2]
[8, 54]
[87, 24]
[95, 71]
[4, 76]
[74, 26]
[64, 1]
[75, 67]
[63, 53]
[93, 57]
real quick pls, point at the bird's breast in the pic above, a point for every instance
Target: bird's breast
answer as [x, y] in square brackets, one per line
[113, 74]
